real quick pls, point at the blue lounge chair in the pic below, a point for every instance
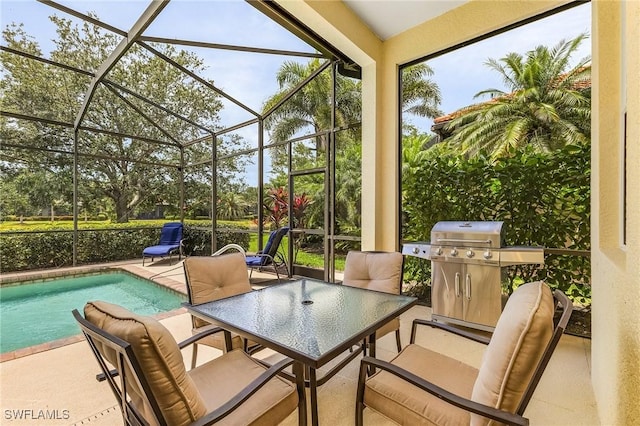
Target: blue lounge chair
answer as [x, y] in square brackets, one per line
[269, 255]
[170, 243]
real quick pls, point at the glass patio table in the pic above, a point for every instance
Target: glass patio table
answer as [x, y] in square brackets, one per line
[310, 321]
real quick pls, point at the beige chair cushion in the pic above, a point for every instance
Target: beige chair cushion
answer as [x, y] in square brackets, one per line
[408, 405]
[223, 377]
[518, 342]
[160, 359]
[215, 277]
[374, 271]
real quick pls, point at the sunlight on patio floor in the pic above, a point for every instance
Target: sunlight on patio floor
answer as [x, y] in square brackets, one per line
[62, 381]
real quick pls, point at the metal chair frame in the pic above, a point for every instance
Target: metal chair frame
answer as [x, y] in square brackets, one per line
[517, 418]
[126, 358]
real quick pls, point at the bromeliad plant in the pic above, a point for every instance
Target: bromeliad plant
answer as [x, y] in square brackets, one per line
[276, 207]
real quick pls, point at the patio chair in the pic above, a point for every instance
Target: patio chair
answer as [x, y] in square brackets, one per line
[420, 386]
[380, 271]
[211, 278]
[269, 256]
[169, 244]
[155, 388]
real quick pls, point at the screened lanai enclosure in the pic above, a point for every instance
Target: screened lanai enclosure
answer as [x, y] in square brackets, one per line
[200, 112]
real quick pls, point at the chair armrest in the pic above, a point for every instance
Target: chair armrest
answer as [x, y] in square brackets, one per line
[229, 247]
[193, 339]
[243, 395]
[437, 391]
[466, 334]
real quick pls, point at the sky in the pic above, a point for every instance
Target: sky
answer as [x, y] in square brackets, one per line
[250, 77]
[462, 73]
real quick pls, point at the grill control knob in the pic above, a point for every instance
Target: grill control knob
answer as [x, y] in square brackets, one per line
[487, 254]
[470, 253]
[454, 252]
[439, 251]
[416, 250]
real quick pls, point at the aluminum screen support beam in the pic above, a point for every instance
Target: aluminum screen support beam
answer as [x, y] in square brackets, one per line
[136, 31]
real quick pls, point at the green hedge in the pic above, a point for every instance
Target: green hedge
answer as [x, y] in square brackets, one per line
[39, 250]
[543, 199]
[198, 239]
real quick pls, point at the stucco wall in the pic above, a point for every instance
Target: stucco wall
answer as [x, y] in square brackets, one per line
[615, 268]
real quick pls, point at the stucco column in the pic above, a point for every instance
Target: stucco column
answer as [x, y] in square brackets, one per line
[337, 24]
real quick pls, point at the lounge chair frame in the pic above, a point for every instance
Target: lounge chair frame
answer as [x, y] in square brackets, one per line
[171, 247]
[271, 257]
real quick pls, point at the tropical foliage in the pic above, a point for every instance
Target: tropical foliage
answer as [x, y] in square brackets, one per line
[104, 242]
[420, 95]
[309, 112]
[546, 104]
[543, 198]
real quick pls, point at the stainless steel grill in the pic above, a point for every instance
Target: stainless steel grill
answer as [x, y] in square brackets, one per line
[466, 270]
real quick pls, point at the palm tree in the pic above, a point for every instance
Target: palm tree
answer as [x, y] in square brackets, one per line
[231, 206]
[547, 104]
[312, 105]
[310, 110]
[420, 95]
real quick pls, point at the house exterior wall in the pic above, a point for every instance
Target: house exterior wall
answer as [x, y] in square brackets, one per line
[615, 269]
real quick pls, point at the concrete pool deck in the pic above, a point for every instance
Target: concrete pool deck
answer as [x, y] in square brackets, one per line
[60, 383]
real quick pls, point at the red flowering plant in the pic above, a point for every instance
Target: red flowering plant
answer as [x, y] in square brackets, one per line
[276, 207]
[300, 204]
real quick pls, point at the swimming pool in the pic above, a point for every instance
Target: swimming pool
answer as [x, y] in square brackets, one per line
[40, 311]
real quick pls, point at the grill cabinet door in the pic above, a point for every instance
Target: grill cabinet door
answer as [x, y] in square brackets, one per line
[482, 300]
[447, 279]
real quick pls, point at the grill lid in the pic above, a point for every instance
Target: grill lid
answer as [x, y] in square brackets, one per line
[468, 234]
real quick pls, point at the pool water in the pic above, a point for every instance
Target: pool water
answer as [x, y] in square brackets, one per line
[38, 312]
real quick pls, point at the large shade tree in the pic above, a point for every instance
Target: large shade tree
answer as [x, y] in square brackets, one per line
[546, 104]
[119, 168]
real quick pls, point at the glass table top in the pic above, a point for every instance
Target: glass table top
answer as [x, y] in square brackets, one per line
[308, 317]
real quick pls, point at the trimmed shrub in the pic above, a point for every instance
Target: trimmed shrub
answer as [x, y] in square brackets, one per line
[543, 199]
[54, 249]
